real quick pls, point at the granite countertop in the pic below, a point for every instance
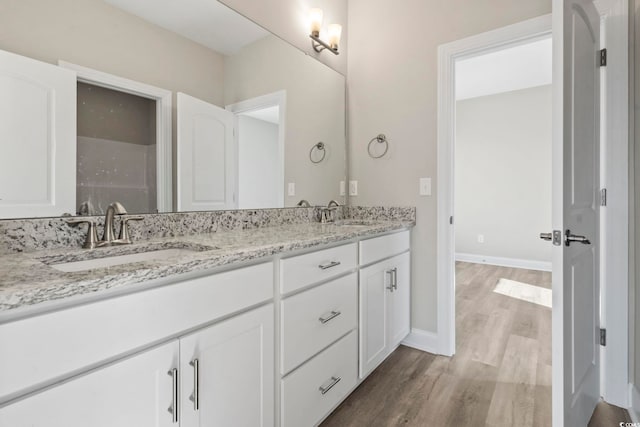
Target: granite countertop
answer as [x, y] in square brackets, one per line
[27, 279]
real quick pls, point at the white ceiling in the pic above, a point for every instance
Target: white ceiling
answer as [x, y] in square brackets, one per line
[207, 22]
[270, 114]
[515, 68]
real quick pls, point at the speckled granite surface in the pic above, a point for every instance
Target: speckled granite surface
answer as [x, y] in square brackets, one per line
[26, 235]
[27, 278]
[380, 213]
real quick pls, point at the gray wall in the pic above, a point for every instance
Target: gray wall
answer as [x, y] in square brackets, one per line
[392, 86]
[503, 174]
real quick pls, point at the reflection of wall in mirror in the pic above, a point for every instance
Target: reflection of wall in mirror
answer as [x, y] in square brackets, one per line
[315, 111]
[94, 34]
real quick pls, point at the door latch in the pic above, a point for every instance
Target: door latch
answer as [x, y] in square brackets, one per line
[555, 237]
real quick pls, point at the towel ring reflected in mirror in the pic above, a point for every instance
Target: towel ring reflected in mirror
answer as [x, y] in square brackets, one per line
[319, 147]
[380, 139]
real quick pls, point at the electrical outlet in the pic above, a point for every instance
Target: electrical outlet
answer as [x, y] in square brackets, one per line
[353, 188]
[292, 189]
[480, 238]
[343, 191]
[425, 186]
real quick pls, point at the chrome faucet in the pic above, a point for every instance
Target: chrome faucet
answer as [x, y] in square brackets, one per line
[303, 204]
[109, 235]
[328, 214]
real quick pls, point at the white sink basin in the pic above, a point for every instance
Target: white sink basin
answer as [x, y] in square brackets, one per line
[110, 261]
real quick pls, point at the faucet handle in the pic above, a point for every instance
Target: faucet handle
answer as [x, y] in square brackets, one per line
[91, 240]
[124, 228]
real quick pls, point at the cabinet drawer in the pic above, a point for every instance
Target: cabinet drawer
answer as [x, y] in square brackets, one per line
[303, 270]
[372, 250]
[315, 318]
[55, 344]
[308, 394]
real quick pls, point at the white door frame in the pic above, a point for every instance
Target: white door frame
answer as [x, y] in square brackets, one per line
[614, 223]
[163, 98]
[278, 98]
[448, 54]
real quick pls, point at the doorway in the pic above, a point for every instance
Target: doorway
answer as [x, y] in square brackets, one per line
[116, 151]
[260, 136]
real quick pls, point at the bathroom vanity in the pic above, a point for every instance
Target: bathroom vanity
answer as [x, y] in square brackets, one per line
[270, 326]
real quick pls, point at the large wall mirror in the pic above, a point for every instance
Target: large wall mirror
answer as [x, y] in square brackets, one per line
[163, 106]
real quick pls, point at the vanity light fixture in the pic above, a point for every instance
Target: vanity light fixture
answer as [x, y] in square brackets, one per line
[334, 33]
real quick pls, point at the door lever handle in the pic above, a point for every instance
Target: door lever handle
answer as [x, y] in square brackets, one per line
[568, 238]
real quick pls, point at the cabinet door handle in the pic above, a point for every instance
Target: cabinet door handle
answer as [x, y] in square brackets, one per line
[330, 316]
[174, 394]
[390, 273]
[329, 265]
[394, 275]
[334, 381]
[196, 383]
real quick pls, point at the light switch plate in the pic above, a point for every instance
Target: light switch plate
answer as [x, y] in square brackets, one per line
[480, 238]
[425, 186]
[353, 188]
[292, 189]
[343, 191]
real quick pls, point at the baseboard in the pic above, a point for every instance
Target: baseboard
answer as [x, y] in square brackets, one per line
[422, 340]
[634, 398]
[504, 262]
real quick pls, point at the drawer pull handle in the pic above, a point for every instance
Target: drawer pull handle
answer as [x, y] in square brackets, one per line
[329, 265]
[174, 394]
[331, 315]
[196, 384]
[334, 381]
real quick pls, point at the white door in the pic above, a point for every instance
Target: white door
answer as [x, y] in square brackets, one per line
[375, 282]
[136, 392]
[206, 156]
[228, 373]
[37, 138]
[400, 299]
[575, 212]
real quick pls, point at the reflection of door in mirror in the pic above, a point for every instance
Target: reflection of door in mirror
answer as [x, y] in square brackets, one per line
[116, 157]
[206, 156]
[37, 153]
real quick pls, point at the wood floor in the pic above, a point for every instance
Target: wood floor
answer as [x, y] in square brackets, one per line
[500, 375]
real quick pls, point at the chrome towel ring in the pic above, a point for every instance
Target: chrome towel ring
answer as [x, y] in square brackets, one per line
[317, 147]
[380, 139]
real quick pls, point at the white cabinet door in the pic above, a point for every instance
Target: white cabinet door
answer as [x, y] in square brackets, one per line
[400, 300]
[385, 309]
[206, 156]
[227, 372]
[38, 138]
[135, 392]
[374, 281]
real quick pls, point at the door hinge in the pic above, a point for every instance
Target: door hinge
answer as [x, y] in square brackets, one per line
[603, 197]
[603, 57]
[451, 220]
[603, 337]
